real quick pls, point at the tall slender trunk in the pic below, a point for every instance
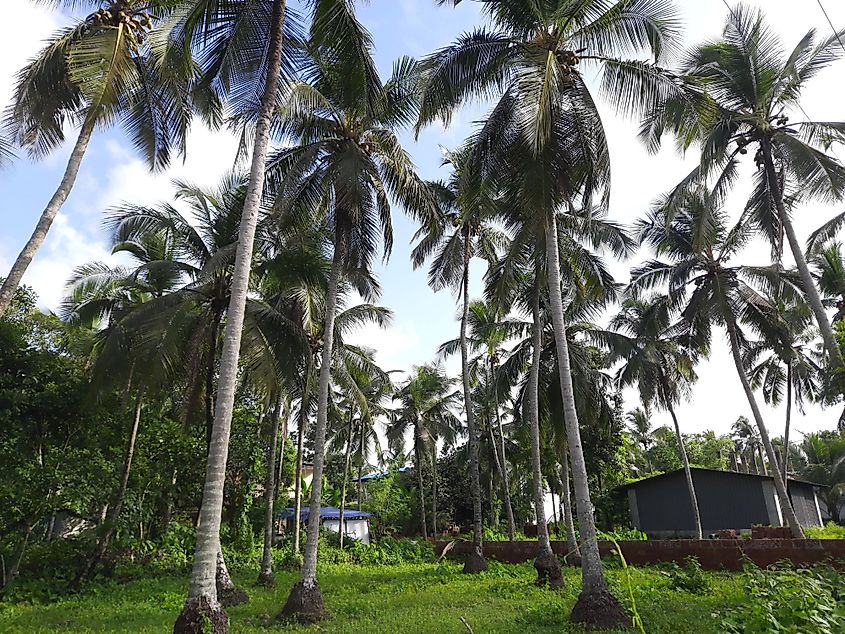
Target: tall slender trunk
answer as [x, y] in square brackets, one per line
[783, 496]
[544, 547]
[277, 484]
[810, 290]
[16, 563]
[591, 566]
[345, 477]
[506, 485]
[265, 575]
[784, 463]
[202, 603]
[434, 488]
[117, 507]
[418, 460]
[297, 485]
[477, 556]
[497, 462]
[309, 567]
[13, 279]
[209, 380]
[566, 502]
[555, 518]
[360, 463]
[682, 451]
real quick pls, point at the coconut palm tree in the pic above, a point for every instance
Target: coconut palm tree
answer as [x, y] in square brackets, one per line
[698, 243]
[828, 267]
[463, 231]
[488, 331]
[825, 456]
[544, 145]
[360, 382]
[346, 159]
[256, 64]
[657, 364]
[640, 428]
[743, 89]
[786, 362]
[517, 280]
[427, 404]
[98, 71]
[747, 442]
[98, 298]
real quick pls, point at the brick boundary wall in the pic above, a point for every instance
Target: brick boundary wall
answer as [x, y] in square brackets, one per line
[712, 554]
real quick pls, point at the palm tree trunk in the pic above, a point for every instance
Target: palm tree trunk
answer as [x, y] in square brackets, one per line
[595, 603]
[13, 279]
[506, 486]
[592, 574]
[544, 547]
[117, 507]
[277, 483]
[809, 286]
[420, 484]
[434, 489]
[360, 463]
[265, 576]
[784, 463]
[566, 500]
[297, 485]
[306, 599]
[682, 451]
[475, 562]
[783, 496]
[209, 380]
[345, 477]
[202, 603]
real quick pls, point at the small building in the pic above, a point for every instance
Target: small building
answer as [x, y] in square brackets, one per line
[356, 523]
[660, 505]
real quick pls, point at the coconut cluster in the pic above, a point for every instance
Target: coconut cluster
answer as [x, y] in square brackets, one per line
[119, 14]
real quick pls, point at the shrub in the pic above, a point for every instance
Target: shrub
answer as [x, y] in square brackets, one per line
[689, 578]
[804, 601]
[829, 531]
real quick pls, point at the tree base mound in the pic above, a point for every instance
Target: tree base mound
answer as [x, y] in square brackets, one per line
[305, 604]
[266, 580]
[548, 571]
[600, 610]
[201, 615]
[232, 596]
[474, 564]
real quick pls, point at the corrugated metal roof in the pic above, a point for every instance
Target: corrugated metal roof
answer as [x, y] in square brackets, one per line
[326, 513]
[624, 487]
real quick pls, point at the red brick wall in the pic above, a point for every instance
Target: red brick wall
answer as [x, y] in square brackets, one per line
[713, 554]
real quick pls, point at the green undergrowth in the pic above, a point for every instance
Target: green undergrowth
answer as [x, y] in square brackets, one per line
[408, 598]
[829, 531]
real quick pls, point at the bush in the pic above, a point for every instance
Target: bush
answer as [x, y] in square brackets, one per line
[689, 578]
[829, 531]
[390, 551]
[804, 601]
[625, 535]
[49, 570]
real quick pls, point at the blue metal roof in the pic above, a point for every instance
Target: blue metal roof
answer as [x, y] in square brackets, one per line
[383, 474]
[326, 513]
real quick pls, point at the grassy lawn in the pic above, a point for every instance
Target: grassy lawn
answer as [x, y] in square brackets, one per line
[420, 598]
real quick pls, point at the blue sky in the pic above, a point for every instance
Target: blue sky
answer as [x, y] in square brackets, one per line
[111, 174]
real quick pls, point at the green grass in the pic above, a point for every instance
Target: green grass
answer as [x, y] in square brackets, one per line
[410, 599]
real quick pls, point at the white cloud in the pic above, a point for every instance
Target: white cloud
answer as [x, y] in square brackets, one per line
[66, 249]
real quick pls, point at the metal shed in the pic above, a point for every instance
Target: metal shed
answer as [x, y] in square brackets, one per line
[660, 505]
[356, 524]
